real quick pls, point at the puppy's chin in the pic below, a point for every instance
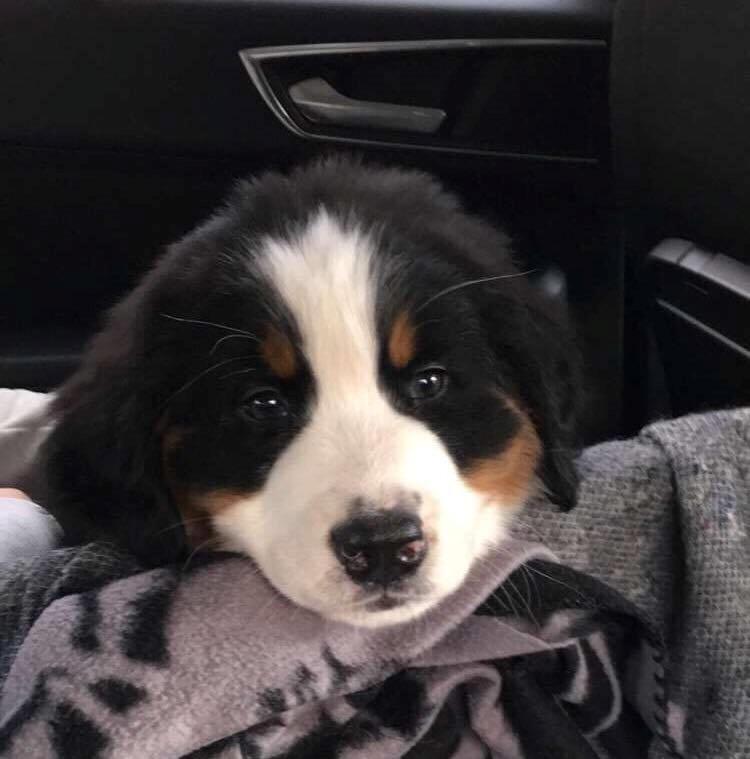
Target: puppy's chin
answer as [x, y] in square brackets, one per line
[372, 615]
[373, 611]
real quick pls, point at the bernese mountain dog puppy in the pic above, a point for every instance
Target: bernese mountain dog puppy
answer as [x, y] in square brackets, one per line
[341, 374]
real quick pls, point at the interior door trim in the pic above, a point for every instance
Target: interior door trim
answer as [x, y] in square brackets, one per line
[253, 59]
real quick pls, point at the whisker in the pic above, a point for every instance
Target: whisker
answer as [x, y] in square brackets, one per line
[525, 600]
[508, 596]
[242, 336]
[575, 591]
[531, 584]
[523, 524]
[239, 371]
[195, 379]
[195, 551]
[185, 521]
[209, 324]
[482, 280]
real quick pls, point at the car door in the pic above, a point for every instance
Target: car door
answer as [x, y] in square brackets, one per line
[122, 123]
[681, 126]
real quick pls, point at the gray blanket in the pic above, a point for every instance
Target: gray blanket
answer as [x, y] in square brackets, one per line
[530, 659]
[664, 519]
[213, 662]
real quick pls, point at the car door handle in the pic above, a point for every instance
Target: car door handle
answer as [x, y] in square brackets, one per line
[318, 101]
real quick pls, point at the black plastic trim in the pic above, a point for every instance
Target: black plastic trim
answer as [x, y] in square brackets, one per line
[254, 59]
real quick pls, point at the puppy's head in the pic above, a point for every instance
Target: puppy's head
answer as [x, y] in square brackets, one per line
[340, 374]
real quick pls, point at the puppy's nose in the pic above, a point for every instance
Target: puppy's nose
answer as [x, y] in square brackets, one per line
[379, 548]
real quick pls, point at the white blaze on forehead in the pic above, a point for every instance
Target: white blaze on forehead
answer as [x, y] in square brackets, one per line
[325, 278]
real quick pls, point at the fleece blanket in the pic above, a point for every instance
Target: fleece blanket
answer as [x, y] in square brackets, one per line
[211, 661]
[636, 645]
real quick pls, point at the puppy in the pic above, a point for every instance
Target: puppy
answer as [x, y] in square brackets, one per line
[340, 374]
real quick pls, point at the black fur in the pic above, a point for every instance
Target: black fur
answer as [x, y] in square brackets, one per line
[160, 364]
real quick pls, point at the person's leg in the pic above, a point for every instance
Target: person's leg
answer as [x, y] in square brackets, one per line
[26, 529]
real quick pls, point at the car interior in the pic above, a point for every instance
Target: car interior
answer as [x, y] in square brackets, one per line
[610, 139]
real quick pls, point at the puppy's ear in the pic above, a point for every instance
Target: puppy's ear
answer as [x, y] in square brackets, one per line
[103, 458]
[554, 394]
[536, 346]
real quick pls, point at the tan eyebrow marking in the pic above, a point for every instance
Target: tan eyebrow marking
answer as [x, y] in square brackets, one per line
[278, 352]
[402, 341]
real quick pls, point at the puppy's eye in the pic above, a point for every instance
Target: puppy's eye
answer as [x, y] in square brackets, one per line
[427, 384]
[264, 405]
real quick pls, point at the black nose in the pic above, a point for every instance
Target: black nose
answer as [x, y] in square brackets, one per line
[380, 548]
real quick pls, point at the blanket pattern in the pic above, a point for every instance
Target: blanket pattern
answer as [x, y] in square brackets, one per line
[211, 661]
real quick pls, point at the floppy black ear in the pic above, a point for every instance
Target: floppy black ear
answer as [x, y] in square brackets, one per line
[554, 395]
[534, 341]
[103, 458]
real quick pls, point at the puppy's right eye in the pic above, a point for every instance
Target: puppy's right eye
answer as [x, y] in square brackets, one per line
[264, 406]
[427, 384]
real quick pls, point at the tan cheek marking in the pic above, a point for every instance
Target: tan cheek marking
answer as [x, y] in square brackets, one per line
[198, 508]
[195, 508]
[278, 352]
[402, 342]
[213, 502]
[508, 477]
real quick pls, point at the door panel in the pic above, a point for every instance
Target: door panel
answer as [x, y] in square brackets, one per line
[681, 126]
[124, 123]
[540, 99]
[164, 74]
